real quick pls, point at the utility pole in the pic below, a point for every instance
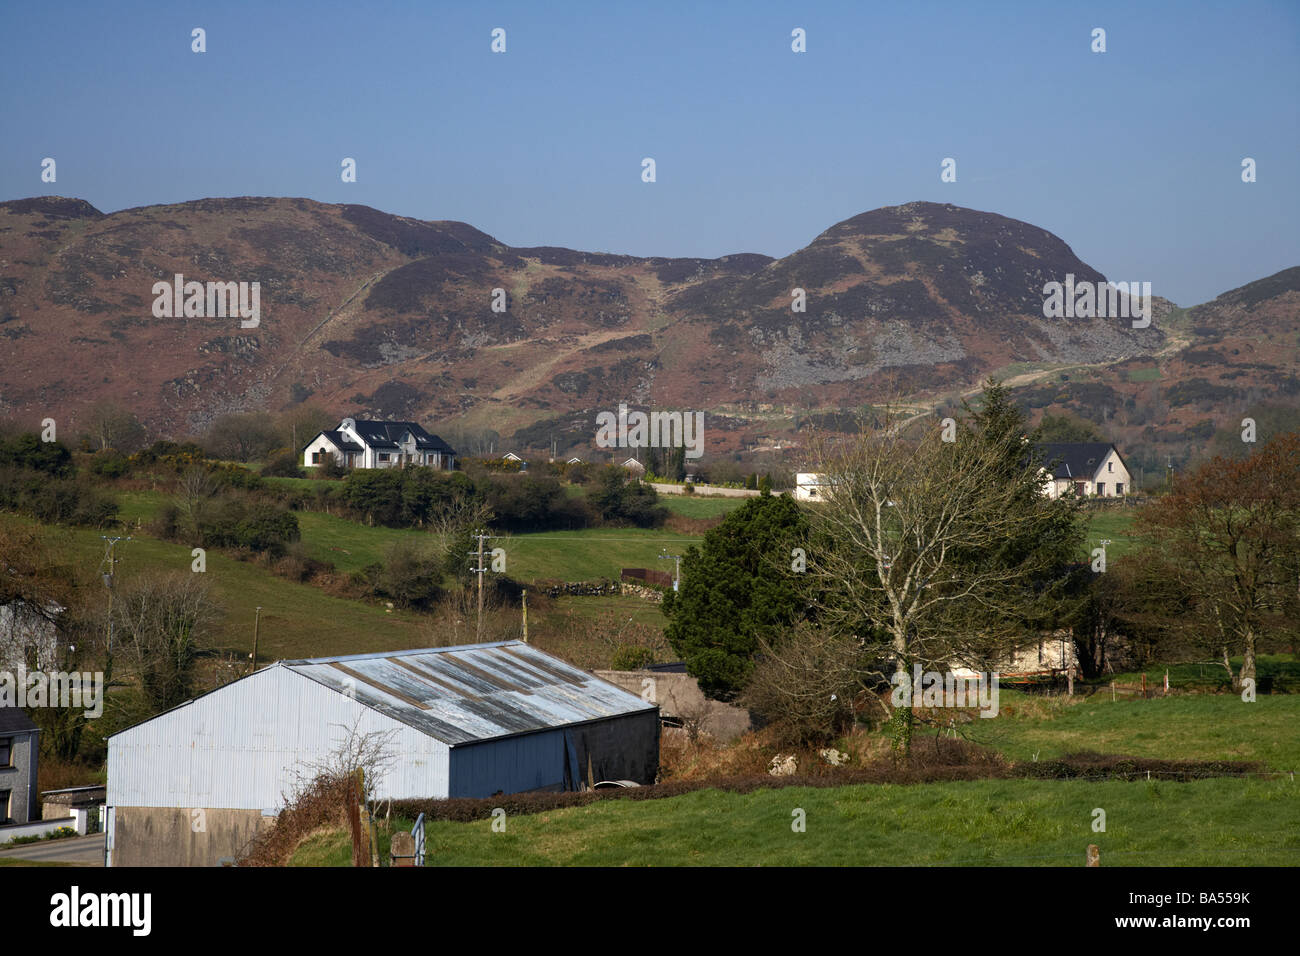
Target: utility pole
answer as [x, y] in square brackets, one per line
[481, 536]
[677, 566]
[109, 562]
[525, 615]
[257, 618]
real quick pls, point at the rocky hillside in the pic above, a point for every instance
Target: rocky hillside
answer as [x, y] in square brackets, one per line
[364, 312]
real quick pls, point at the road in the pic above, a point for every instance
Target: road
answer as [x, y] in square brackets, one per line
[83, 851]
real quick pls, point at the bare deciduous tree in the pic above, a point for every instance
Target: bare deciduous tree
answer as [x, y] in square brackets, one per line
[162, 623]
[907, 546]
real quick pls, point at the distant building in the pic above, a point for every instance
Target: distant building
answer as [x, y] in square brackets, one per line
[634, 466]
[28, 635]
[470, 721]
[511, 456]
[810, 486]
[18, 759]
[357, 443]
[574, 461]
[1084, 468]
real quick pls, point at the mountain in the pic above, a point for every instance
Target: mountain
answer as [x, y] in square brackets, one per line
[380, 315]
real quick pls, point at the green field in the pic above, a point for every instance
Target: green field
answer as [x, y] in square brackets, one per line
[693, 506]
[1114, 524]
[1213, 822]
[1181, 727]
[1143, 374]
[298, 620]
[1223, 822]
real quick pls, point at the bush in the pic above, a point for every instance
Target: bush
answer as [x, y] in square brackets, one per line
[260, 527]
[55, 500]
[630, 657]
[621, 502]
[283, 466]
[28, 452]
[110, 464]
[409, 577]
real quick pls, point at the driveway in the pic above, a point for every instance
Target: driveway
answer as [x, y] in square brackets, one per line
[81, 851]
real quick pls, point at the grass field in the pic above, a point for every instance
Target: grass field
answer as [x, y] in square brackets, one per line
[297, 620]
[1115, 525]
[1183, 727]
[300, 620]
[692, 506]
[1223, 822]
[1214, 822]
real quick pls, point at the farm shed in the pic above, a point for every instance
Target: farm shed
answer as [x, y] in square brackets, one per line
[191, 786]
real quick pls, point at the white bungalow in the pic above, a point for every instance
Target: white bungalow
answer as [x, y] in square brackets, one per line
[370, 444]
[1084, 468]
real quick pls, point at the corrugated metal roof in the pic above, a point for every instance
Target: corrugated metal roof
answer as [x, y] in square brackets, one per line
[460, 695]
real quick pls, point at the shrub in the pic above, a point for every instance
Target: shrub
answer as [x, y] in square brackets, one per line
[629, 657]
[283, 466]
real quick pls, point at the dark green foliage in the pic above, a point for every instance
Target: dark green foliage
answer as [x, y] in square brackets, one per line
[1050, 546]
[110, 464]
[27, 451]
[532, 503]
[1065, 428]
[55, 500]
[409, 576]
[735, 587]
[630, 657]
[258, 526]
[284, 466]
[616, 500]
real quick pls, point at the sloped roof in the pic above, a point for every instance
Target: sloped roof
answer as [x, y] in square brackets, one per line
[14, 720]
[1074, 459]
[387, 434]
[342, 442]
[461, 695]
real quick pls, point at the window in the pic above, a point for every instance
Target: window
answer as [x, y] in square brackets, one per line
[6, 751]
[383, 457]
[315, 458]
[1101, 488]
[1119, 488]
[4, 805]
[1110, 466]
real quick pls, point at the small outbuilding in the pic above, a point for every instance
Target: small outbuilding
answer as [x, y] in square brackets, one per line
[469, 721]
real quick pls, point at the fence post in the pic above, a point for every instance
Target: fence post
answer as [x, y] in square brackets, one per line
[1094, 855]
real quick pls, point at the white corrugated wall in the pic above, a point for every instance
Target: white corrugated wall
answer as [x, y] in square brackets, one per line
[238, 747]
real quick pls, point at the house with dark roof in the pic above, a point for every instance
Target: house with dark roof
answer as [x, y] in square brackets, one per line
[358, 443]
[18, 759]
[1084, 468]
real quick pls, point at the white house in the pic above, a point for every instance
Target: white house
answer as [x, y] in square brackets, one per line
[1086, 468]
[810, 486]
[369, 444]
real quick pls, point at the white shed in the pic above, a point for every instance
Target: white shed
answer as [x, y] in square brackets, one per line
[468, 721]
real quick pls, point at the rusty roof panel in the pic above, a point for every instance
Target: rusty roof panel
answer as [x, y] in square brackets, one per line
[460, 695]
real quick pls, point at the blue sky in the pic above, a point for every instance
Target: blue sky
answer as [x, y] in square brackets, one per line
[1132, 156]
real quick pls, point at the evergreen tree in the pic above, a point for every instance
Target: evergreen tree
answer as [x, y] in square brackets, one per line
[736, 588]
